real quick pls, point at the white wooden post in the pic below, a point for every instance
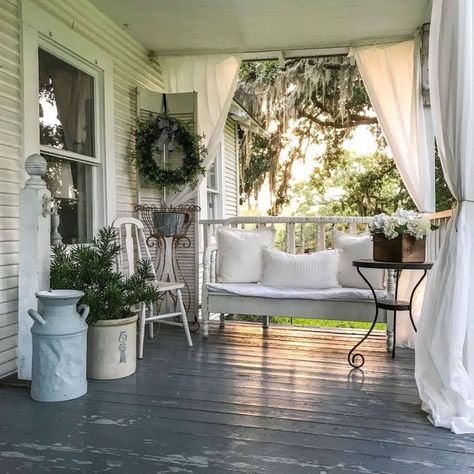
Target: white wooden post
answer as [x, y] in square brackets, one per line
[302, 239]
[34, 255]
[290, 242]
[320, 237]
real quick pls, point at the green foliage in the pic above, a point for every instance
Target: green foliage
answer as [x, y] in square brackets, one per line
[444, 198]
[151, 135]
[369, 185]
[307, 322]
[255, 165]
[90, 268]
[321, 101]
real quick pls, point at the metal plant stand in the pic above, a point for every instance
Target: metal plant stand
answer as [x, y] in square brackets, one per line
[356, 359]
[168, 227]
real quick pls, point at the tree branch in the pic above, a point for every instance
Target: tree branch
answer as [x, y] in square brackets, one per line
[353, 121]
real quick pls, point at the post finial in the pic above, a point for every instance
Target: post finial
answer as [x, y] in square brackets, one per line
[36, 165]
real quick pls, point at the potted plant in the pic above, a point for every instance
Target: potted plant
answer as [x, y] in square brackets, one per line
[113, 300]
[400, 237]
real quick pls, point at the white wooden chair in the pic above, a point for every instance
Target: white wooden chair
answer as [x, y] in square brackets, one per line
[132, 241]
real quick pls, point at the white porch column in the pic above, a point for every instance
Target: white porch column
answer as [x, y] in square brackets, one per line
[34, 258]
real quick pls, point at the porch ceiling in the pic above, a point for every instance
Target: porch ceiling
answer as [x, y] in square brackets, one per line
[193, 26]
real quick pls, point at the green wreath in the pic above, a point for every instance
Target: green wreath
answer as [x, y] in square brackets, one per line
[152, 135]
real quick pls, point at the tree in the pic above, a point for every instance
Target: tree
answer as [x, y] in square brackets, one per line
[321, 101]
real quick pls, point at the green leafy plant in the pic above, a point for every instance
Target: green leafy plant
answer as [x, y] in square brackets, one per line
[91, 269]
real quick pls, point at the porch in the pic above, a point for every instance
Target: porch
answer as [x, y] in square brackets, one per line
[245, 400]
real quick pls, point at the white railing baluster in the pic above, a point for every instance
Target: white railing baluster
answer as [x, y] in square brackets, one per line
[302, 238]
[320, 222]
[320, 237]
[291, 243]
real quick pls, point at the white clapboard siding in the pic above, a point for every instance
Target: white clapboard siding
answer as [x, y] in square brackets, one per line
[182, 106]
[10, 180]
[131, 69]
[231, 163]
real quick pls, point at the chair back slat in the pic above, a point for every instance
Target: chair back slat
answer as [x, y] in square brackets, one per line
[132, 241]
[139, 244]
[129, 249]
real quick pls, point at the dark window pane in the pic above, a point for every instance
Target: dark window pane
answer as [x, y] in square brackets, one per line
[66, 100]
[70, 185]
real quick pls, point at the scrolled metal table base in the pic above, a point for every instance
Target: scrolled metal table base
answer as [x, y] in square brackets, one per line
[356, 359]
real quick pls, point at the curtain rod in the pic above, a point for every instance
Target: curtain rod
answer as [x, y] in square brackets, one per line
[296, 53]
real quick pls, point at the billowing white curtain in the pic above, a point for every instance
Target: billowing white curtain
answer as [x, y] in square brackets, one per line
[445, 343]
[392, 76]
[214, 78]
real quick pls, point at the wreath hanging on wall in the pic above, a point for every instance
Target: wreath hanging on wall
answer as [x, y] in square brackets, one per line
[160, 133]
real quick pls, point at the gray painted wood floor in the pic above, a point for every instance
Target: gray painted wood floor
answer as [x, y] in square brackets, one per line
[283, 401]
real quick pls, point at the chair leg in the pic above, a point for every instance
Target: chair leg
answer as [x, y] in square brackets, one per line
[222, 318]
[141, 331]
[151, 332]
[184, 317]
[265, 322]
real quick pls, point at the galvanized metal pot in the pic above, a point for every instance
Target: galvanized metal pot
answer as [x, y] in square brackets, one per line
[112, 348]
[169, 224]
[59, 346]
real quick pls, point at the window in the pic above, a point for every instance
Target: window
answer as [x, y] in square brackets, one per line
[213, 190]
[68, 142]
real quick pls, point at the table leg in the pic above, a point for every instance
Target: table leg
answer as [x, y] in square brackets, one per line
[397, 279]
[412, 296]
[352, 356]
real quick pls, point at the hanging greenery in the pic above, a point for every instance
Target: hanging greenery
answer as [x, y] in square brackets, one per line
[160, 133]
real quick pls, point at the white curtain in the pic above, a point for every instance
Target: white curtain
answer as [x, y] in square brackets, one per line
[214, 78]
[392, 77]
[445, 343]
[73, 91]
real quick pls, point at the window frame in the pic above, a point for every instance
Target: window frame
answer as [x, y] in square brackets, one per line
[217, 192]
[72, 59]
[40, 30]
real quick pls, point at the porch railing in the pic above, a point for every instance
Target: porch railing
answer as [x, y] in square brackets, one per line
[436, 238]
[310, 233]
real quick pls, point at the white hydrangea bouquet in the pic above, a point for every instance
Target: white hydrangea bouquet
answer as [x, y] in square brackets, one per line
[401, 222]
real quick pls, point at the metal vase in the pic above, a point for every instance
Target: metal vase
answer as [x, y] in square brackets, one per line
[59, 346]
[169, 224]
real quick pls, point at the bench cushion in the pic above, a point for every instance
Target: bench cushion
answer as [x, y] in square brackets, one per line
[355, 247]
[239, 254]
[262, 291]
[315, 271]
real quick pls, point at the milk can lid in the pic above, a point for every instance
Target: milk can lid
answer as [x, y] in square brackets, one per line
[59, 294]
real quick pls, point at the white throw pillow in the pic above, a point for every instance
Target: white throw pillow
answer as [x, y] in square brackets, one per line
[355, 247]
[239, 253]
[318, 270]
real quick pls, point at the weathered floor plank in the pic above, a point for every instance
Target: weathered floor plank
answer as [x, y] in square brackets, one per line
[245, 400]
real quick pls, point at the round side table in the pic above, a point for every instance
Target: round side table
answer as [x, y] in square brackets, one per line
[356, 359]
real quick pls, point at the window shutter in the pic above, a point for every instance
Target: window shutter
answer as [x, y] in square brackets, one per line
[182, 106]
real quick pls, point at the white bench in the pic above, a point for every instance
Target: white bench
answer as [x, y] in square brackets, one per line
[349, 304]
